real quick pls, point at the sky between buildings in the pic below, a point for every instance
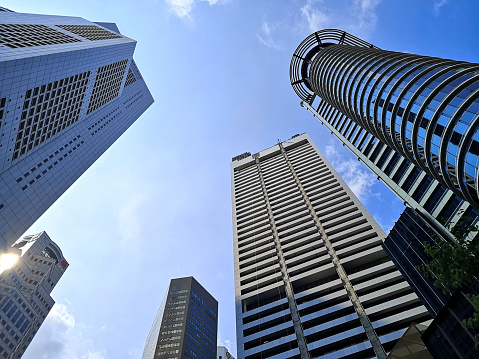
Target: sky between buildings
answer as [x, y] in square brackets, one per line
[157, 204]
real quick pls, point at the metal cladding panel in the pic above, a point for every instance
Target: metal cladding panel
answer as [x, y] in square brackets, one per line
[413, 120]
[50, 137]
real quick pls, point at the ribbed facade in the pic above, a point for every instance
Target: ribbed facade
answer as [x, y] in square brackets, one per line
[312, 279]
[411, 119]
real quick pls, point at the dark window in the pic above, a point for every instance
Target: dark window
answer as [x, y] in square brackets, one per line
[434, 199]
[376, 151]
[399, 173]
[426, 181]
[383, 157]
[411, 179]
[391, 164]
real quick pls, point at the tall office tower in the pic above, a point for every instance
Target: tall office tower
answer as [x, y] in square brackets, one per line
[312, 279]
[186, 323]
[411, 119]
[223, 353]
[446, 336]
[25, 291]
[69, 89]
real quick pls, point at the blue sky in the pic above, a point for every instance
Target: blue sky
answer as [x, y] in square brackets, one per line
[157, 204]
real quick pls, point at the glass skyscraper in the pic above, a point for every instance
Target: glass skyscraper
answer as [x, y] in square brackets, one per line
[69, 88]
[25, 289]
[411, 119]
[186, 325]
[311, 277]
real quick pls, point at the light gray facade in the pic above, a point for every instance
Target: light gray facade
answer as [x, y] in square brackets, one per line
[69, 88]
[25, 289]
[311, 277]
[223, 353]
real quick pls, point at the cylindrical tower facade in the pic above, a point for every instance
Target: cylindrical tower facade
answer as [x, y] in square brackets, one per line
[422, 107]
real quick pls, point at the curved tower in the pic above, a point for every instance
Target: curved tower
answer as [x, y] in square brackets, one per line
[423, 108]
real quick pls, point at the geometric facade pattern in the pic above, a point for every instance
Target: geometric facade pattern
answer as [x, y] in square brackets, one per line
[186, 323]
[311, 277]
[25, 289]
[63, 105]
[381, 105]
[22, 35]
[49, 109]
[90, 32]
[107, 85]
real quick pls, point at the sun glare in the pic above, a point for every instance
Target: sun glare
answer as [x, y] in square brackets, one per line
[7, 260]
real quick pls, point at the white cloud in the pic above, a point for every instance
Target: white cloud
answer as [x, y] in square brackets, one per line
[358, 18]
[315, 18]
[129, 223]
[438, 5]
[183, 8]
[266, 35]
[358, 179]
[50, 342]
[61, 337]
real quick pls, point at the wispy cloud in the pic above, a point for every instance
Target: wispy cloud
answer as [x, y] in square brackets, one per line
[315, 15]
[129, 223]
[61, 337]
[386, 225]
[184, 8]
[265, 36]
[438, 6]
[359, 180]
[359, 18]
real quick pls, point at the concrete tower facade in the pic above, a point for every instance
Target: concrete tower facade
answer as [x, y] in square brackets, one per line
[186, 325]
[312, 279]
[25, 289]
[69, 89]
[411, 119]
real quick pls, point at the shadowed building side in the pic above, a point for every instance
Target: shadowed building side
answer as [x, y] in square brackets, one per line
[186, 325]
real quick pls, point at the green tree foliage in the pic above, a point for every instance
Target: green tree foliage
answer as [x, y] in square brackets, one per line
[454, 266]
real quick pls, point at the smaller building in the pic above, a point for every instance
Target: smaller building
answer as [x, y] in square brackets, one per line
[445, 336]
[186, 325]
[223, 353]
[25, 289]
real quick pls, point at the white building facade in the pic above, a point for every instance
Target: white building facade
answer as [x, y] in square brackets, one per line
[311, 277]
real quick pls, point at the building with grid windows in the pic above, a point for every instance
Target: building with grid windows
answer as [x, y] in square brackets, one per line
[69, 88]
[445, 336]
[311, 277]
[223, 353]
[25, 289]
[186, 325]
[412, 120]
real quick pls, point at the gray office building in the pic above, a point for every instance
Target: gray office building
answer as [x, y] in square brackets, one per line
[312, 279]
[411, 119]
[186, 324]
[25, 290]
[70, 88]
